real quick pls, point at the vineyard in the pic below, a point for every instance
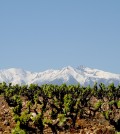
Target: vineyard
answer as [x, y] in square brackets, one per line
[70, 109]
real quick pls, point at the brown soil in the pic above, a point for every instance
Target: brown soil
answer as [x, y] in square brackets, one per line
[98, 125]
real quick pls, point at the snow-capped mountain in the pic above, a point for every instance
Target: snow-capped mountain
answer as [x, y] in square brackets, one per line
[69, 75]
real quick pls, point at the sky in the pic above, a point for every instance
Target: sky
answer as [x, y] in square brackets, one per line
[50, 34]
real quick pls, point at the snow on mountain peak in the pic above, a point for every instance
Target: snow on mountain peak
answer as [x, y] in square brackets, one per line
[16, 71]
[69, 75]
[81, 67]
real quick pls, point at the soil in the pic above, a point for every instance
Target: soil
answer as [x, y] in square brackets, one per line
[98, 125]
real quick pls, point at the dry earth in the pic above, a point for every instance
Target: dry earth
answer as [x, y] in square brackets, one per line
[98, 125]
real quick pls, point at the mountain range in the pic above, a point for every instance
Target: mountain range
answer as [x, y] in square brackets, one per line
[69, 75]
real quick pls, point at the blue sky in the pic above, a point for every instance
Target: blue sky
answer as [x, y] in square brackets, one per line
[39, 35]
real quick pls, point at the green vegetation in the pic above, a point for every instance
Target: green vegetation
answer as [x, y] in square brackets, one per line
[58, 107]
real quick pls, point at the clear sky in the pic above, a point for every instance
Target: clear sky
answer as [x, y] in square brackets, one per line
[50, 34]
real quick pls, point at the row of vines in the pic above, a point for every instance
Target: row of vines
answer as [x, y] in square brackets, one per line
[36, 108]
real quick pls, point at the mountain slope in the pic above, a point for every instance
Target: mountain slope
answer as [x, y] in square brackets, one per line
[69, 75]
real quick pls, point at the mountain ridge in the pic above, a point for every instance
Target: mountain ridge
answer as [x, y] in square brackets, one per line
[69, 75]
